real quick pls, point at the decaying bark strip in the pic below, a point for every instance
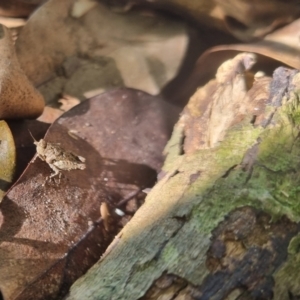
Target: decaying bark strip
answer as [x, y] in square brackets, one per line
[223, 222]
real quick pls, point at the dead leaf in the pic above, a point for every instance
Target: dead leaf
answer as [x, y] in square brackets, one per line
[278, 48]
[49, 232]
[282, 45]
[99, 49]
[12, 22]
[50, 114]
[19, 99]
[81, 7]
[7, 158]
[246, 20]
[18, 8]
[68, 102]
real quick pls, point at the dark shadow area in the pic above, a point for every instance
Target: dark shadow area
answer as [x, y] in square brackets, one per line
[129, 173]
[13, 218]
[3, 184]
[200, 41]
[25, 149]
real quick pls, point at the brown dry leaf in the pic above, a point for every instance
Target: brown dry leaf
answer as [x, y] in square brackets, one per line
[19, 99]
[279, 48]
[248, 20]
[244, 19]
[48, 232]
[12, 22]
[282, 45]
[18, 8]
[68, 102]
[97, 49]
[50, 114]
[7, 158]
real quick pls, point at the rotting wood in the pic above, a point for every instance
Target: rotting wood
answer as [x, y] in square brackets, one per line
[223, 222]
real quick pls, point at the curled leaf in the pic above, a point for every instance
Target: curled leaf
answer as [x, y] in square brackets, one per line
[278, 48]
[246, 20]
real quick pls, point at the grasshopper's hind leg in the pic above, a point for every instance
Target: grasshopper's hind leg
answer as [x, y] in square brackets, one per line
[56, 172]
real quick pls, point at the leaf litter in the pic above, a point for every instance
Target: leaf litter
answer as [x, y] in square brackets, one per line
[48, 228]
[51, 233]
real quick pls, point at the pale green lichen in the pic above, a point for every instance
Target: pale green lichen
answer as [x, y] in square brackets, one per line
[287, 279]
[294, 246]
[169, 253]
[271, 184]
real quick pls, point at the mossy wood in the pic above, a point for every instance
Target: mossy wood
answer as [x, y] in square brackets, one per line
[223, 221]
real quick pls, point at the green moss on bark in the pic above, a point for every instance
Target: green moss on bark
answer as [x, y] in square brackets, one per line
[171, 232]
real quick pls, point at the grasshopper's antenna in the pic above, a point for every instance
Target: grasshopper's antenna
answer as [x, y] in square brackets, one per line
[35, 141]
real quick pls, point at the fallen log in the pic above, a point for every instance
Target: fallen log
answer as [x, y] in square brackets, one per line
[222, 222]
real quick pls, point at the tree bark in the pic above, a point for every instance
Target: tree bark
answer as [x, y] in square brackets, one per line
[223, 220]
